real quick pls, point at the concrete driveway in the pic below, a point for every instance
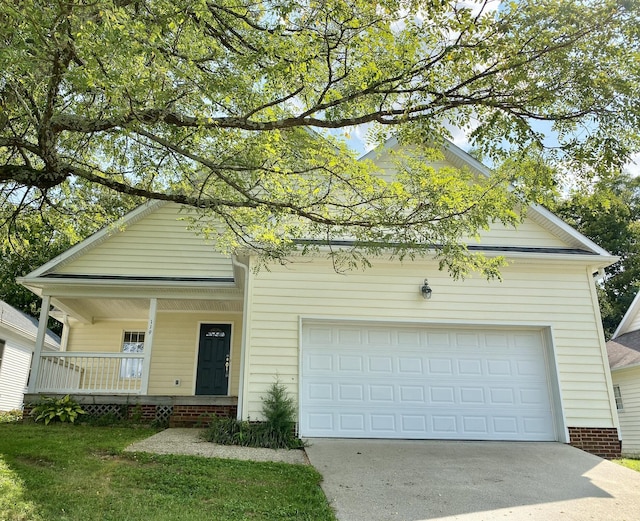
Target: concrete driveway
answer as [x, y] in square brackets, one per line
[383, 480]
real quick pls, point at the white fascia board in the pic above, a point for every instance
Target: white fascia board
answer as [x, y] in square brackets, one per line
[628, 318]
[625, 367]
[468, 160]
[599, 261]
[95, 239]
[564, 227]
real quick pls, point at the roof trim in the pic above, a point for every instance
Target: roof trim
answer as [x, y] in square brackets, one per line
[562, 226]
[138, 278]
[470, 247]
[624, 367]
[94, 240]
[123, 281]
[628, 318]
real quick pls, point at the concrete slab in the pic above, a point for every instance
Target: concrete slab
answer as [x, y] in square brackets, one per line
[384, 480]
[189, 442]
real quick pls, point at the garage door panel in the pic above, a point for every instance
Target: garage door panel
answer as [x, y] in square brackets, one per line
[454, 392]
[386, 382]
[418, 424]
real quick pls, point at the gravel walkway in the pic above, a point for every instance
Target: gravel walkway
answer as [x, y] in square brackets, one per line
[190, 442]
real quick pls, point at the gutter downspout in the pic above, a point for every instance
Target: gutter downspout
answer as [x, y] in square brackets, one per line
[243, 340]
[603, 353]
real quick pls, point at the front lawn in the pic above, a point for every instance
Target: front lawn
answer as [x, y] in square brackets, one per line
[633, 464]
[71, 473]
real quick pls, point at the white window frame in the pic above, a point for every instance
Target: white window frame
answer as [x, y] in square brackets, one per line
[618, 397]
[132, 342]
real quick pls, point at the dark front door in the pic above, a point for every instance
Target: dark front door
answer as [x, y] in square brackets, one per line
[213, 359]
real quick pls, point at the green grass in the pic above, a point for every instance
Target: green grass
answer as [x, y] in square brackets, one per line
[633, 464]
[70, 473]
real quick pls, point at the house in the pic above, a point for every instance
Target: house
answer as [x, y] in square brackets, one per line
[624, 359]
[17, 340]
[157, 318]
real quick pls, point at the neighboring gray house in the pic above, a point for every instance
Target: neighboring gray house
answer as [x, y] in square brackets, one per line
[17, 340]
[624, 359]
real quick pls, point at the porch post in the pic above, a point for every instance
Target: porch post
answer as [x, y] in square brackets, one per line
[37, 352]
[64, 338]
[148, 346]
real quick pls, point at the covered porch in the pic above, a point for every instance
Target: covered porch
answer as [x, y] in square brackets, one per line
[156, 343]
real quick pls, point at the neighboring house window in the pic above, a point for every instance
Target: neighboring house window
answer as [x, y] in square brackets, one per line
[618, 396]
[133, 343]
[1, 352]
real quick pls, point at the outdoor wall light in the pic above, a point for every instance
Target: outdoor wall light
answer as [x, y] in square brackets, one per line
[426, 290]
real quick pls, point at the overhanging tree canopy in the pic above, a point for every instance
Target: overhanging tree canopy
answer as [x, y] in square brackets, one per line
[218, 105]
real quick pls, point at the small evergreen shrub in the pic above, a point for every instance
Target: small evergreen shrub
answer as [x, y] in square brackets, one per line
[57, 409]
[279, 411]
[275, 432]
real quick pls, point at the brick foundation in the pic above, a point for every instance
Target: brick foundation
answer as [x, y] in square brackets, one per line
[197, 415]
[602, 442]
[141, 413]
[177, 411]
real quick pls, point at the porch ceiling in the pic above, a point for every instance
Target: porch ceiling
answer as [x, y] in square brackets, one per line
[90, 309]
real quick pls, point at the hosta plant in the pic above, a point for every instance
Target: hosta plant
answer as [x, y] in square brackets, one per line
[63, 409]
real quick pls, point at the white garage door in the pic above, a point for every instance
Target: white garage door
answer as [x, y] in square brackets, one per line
[362, 381]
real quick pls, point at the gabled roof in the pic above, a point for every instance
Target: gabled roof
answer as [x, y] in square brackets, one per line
[629, 317]
[461, 159]
[577, 244]
[624, 351]
[23, 324]
[97, 238]
[624, 347]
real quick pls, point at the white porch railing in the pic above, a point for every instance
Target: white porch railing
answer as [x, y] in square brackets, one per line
[85, 373]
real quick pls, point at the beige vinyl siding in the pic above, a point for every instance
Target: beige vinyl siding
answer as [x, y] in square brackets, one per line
[528, 233]
[557, 296]
[175, 346]
[14, 371]
[103, 336]
[159, 244]
[629, 416]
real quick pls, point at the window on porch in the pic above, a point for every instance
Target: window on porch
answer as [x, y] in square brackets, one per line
[133, 342]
